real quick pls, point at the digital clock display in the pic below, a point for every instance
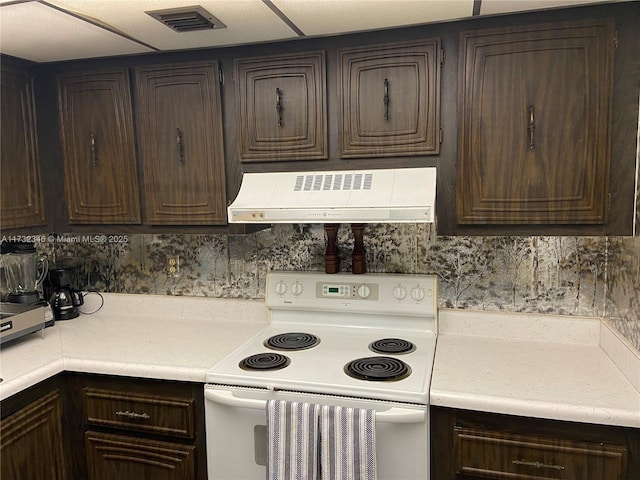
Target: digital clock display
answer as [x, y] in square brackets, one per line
[336, 290]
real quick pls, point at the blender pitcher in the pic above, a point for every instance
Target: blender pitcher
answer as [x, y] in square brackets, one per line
[23, 271]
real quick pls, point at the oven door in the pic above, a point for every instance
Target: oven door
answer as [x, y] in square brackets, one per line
[237, 434]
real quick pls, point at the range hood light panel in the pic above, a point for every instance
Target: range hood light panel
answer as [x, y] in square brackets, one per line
[404, 195]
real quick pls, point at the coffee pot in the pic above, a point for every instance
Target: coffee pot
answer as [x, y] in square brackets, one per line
[23, 270]
[64, 299]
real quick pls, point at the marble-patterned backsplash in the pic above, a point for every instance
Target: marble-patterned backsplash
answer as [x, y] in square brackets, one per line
[588, 276]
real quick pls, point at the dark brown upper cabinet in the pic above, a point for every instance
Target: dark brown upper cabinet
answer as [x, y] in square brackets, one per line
[534, 124]
[96, 130]
[281, 107]
[390, 99]
[20, 184]
[181, 143]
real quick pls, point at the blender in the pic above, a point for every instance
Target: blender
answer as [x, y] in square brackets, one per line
[24, 271]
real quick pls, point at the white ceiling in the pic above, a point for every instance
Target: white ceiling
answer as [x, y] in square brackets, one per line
[56, 30]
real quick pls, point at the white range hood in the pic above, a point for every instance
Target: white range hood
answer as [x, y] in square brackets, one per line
[402, 195]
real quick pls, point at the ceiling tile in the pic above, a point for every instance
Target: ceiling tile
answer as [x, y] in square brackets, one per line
[36, 32]
[318, 17]
[247, 21]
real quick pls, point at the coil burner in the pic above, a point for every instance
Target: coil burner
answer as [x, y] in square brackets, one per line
[391, 346]
[292, 341]
[264, 362]
[377, 369]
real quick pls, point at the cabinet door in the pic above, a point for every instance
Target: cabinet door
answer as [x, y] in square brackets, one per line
[390, 100]
[180, 120]
[20, 188]
[119, 457]
[281, 108]
[96, 121]
[31, 441]
[535, 124]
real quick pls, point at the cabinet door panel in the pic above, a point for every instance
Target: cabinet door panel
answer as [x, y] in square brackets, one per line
[181, 141]
[535, 120]
[101, 179]
[281, 107]
[390, 100]
[21, 193]
[116, 457]
[31, 442]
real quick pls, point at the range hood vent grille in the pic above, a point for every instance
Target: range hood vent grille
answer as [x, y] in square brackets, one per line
[333, 181]
[187, 19]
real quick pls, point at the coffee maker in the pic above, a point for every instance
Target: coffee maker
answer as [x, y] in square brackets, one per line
[23, 272]
[63, 298]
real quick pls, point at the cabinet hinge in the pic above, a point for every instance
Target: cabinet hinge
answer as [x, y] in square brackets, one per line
[443, 57]
[220, 75]
[615, 39]
[441, 135]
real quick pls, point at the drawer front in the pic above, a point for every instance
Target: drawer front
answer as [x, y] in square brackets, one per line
[486, 454]
[146, 413]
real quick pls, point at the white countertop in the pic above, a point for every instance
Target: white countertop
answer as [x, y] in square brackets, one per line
[564, 368]
[544, 367]
[173, 338]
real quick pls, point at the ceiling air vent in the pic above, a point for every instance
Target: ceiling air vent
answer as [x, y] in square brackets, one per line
[187, 19]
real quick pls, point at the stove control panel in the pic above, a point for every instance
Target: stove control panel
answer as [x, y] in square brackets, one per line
[363, 291]
[367, 293]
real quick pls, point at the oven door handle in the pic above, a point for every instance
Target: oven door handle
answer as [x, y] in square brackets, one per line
[393, 415]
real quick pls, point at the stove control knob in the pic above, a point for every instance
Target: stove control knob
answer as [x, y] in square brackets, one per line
[364, 291]
[281, 288]
[399, 292]
[417, 294]
[296, 288]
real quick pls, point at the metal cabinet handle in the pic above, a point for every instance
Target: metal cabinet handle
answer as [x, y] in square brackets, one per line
[537, 464]
[531, 126]
[393, 415]
[129, 414]
[385, 99]
[279, 106]
[93, 149]
[180, 146]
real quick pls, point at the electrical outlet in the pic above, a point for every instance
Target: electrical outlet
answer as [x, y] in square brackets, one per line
[173, 265]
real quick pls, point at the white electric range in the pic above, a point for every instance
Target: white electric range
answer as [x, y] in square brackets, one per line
[364, 341]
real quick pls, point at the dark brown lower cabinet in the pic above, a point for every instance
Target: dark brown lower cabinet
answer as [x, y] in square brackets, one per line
[472, 445]
[128, 458]
[78, 426]
[32, 442]
[127, 428]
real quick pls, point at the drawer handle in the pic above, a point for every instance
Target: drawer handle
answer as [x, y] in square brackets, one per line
[537, 464]
[279, 106]
[180, 146]
[129, 414]
[385, 99]
[93, 149]
[531, 127]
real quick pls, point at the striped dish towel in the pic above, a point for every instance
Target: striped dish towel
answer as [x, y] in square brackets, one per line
[293, 440]
[347, 443]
